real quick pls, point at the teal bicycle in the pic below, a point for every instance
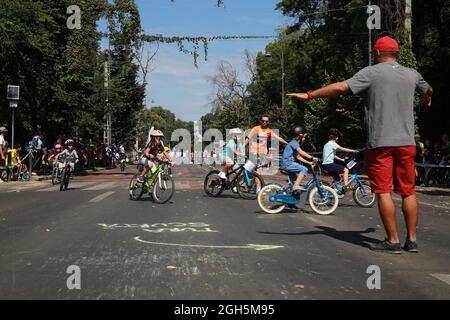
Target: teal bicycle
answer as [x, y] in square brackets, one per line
[159, 185]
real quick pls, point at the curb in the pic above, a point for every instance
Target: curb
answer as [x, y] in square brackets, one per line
[49, 177]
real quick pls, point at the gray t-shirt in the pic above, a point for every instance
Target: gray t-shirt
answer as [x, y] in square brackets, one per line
[388, 89]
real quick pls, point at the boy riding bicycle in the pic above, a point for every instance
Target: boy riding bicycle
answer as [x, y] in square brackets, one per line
[293, 152]
[233, 149]
[69, 155]
[153, 152]
[329, 155]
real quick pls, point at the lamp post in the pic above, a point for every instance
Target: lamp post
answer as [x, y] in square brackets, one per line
[283, 70]
[283, 75]
[13, 95]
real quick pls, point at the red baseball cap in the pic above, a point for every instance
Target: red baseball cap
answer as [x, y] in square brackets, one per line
[386, 44]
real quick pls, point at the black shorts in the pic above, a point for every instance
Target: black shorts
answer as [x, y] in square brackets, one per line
[334, 169]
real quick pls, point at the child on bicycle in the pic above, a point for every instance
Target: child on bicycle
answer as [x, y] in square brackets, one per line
[69, 155]
[234, 148]
[293, 152]
[52, 159]
[153, 152]
[329, 157]
[15, 158]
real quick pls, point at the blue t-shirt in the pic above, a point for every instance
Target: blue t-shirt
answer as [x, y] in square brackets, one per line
[289, 153]
[329, 152]
[231, 147]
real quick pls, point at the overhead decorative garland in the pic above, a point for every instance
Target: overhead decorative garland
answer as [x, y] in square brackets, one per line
[196, 41]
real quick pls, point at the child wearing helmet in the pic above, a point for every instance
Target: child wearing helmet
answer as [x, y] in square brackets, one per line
[69, 155]
[329, 155]
[151, 152]
[52, 159]
[292, 155]
[234, 148]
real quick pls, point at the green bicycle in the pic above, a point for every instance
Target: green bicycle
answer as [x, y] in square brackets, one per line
[159, 185]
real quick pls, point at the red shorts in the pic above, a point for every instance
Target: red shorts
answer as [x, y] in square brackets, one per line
[391, 164]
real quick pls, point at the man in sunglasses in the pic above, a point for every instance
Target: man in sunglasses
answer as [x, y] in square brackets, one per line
[258, 139]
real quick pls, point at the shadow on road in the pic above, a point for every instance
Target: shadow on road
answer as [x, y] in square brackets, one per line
[226, 196]
[354, 237]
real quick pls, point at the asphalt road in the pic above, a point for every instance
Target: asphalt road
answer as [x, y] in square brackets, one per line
[205, 248]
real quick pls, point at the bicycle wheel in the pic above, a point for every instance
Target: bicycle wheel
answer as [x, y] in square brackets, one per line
[249, 191]
[326, 203]
[26, 175]
[213, 184]
[67, 179]
[163, 189]
[63, 180]
[364, 197]
[264, 199]
[136, 188]
[4, 176]
[55, 176]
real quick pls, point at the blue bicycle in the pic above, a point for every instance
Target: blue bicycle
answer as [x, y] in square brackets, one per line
[362, 191]
[274, 198]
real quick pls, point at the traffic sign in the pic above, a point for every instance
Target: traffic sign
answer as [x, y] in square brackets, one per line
[13, 92]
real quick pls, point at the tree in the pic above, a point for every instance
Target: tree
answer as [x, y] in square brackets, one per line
[126, 94]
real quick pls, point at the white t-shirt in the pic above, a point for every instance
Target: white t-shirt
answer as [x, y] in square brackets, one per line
[2, 141]
[329, 152]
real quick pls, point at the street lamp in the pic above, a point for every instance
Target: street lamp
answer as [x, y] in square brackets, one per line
[13, 95]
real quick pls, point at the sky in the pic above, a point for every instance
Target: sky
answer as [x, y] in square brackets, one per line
[175, 83]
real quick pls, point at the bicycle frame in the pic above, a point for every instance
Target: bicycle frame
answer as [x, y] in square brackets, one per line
[354, 178]
[151, 180]
[289, 198]
[238, 171]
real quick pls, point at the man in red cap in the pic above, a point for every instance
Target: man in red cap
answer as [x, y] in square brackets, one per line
[388, 89]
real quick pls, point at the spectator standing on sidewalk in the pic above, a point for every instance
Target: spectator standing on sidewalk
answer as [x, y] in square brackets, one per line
[428, 159]
[388, 89]
[3, 148]
[445, 149]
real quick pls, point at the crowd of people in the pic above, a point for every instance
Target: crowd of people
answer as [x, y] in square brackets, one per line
[433, 152]
[44, 154]
[430, 155]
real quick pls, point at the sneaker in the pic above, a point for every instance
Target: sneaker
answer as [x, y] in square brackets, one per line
[386, 246]
[299, 189]
[140, 179]
[222, 175]
[411, 246]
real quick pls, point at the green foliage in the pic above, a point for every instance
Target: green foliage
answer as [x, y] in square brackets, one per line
[328, 42]
[161, 119]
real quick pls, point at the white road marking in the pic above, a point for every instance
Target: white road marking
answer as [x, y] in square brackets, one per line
[257, 247]
[425, 204]
[52, 188]
[73, 185]
[102, 197]
[443, 277]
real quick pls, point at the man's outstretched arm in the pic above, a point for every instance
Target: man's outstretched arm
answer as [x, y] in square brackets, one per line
[332, 90]
[425, 99]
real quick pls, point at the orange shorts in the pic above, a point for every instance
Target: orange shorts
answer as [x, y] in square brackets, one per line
[389, 165]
